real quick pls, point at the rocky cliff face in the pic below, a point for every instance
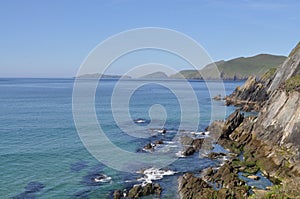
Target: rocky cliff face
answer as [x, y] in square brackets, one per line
[290, 68]
[272, 139]
[269, 141]
[250, 96]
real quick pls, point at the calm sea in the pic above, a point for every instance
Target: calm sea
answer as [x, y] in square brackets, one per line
[42, 156]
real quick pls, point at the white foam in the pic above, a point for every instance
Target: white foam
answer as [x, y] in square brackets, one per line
[102, 178]
[180, 155]
[140, 121]
[153, 174]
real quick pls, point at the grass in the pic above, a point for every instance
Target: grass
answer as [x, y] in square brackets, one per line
[268, 74]
[239, 68]
[292, 83]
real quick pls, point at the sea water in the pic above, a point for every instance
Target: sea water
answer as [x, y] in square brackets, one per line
[42, 156]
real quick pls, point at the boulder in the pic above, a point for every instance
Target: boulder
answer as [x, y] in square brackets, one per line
[117, 194]
[139, 191]
[214, 155]
[189, 151]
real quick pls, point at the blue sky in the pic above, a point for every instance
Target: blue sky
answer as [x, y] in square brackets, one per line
[52, 38]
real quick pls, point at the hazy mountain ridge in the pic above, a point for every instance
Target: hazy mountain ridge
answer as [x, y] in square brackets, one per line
[98, 75]
[238, 68]
[155, 75]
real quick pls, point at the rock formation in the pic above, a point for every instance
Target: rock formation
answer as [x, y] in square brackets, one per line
[269, 141]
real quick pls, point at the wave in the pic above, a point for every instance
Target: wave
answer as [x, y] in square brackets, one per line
[153, 174]
[102, 178]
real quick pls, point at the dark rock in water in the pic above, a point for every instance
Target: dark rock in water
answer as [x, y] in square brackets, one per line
[33, 187]
[217, 98]
[24, 195]
[78, 166]
[157, 189]
[197, 143]
[192, 145]
[83, 194]
[214, 155]
[139, 191]
[89, 179]
[118, 194]
[148, 146]
[30, 189]
[159, 142]
[151, 146]
[189, 151]
[135, 191]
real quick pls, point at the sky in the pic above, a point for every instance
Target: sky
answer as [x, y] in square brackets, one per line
[52, 38]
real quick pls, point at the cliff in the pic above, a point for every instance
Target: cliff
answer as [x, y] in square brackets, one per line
[270, 141]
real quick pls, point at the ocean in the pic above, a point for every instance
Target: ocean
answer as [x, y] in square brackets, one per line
[42, 155]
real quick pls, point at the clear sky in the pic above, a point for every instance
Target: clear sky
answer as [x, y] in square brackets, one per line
[51, 38]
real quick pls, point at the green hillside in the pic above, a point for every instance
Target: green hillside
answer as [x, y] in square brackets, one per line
[239, 68]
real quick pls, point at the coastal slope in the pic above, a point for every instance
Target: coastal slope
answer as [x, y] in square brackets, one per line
[268, 142]
[236, 69]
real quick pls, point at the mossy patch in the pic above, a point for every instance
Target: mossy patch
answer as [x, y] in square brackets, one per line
[268, 74]
[292, 83]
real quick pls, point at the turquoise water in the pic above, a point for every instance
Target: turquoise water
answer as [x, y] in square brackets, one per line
[41, 155]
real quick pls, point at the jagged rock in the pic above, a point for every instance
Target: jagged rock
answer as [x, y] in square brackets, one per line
[189, 151]
[217, 98]
[135, 191]
[290, 68]
[117, 194]
[190, 187]
[158, 142]
[192, 145]
[214, 155]
[157, 189]
[139, 191]
[197, 143]
[232, 122]
[250, 96]
[148, 146]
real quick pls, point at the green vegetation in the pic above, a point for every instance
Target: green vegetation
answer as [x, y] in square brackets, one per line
[269, 74]
[239, 68]
[292, 83]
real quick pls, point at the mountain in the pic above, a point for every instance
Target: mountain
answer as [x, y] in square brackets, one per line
[155, 75]
[98, 75]
[238, 68]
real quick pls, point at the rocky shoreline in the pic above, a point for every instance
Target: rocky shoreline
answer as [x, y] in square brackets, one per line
[264, 146]
[268, 142]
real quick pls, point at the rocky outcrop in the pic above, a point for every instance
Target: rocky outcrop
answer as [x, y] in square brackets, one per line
[289, 68]
[250, 96]
[222, 183]
[138, 191]
[269, 142]
[191, 145]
